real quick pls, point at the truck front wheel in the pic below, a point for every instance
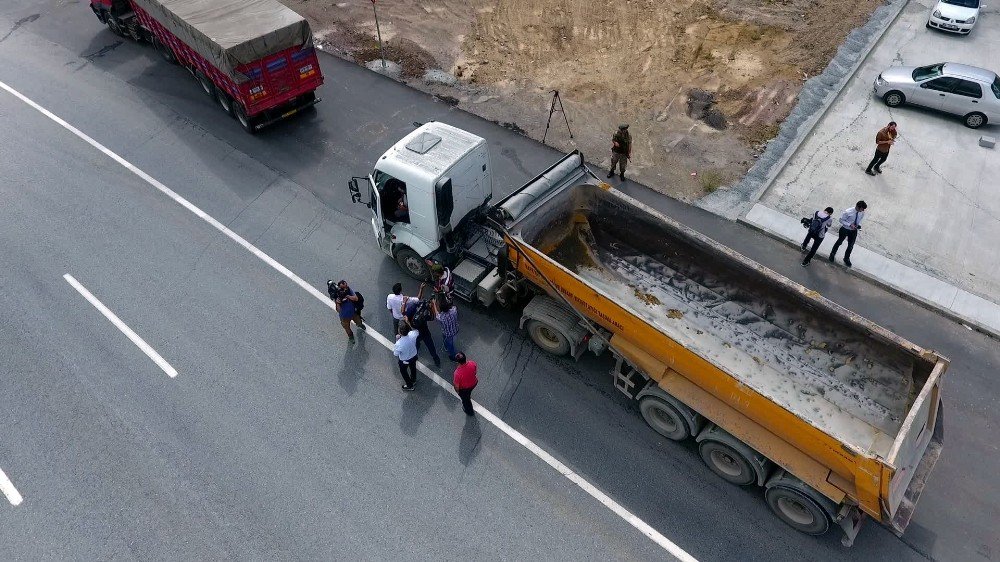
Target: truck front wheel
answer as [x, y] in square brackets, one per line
[798, 510]
[548, 338]
[413, 264]
[664, 418]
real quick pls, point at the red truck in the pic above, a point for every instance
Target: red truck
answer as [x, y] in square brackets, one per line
[254, 57]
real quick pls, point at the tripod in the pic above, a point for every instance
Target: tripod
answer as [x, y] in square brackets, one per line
[552, 109]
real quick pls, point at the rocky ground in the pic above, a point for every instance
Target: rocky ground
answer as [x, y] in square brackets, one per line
[703, 83]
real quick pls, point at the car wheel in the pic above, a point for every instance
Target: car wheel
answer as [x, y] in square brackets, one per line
[975, 120]
[894, 98]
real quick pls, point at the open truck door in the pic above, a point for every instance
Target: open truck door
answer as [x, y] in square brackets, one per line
[373, 200]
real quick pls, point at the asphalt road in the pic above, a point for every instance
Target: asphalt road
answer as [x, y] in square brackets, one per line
[276, 440]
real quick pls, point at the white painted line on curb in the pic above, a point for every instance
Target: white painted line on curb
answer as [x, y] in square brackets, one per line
[129, 333]
[8, 489]
[517, 436]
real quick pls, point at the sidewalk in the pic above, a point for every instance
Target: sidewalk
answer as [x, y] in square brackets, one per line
[950, 300]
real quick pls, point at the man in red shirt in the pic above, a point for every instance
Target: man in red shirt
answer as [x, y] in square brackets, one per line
[465, 380]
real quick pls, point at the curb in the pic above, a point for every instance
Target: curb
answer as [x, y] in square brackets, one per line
[736, 201]
[977, 325]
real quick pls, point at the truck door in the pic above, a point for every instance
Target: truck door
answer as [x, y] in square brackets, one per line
[373, 200]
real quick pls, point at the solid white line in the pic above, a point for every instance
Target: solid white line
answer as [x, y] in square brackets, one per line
[517, 436]
[129, 333]
[8, 489]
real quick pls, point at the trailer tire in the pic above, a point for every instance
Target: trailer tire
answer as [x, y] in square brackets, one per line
[664, 418]
[245, 120]
[165, 51]
[225, 102]
[728, 463]
[115, 26]
[798, 510]
[548, 338]
[412, 264]
[206, 84]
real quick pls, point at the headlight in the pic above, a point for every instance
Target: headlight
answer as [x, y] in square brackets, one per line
[971, 20]
[937, 13]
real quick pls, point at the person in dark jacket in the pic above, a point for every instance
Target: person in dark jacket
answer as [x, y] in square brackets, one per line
[621, 150]
[418, 314]
[819, 224]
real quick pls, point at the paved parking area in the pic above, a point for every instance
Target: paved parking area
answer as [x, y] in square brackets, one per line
[936, 208]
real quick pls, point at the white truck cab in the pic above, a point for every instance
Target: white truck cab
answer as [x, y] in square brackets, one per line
[422, 189]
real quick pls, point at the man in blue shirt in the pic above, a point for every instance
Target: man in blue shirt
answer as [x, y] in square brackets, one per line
[850, 224]
[405, 351]
[447, 315]
[348, 306]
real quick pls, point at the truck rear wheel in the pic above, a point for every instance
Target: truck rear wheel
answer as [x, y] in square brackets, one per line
[245, 121]
[413, 264]
[727, 462]
[797, 510]
[115, 26]
[548, 338]
[166, 52]
[664, 418]
[225, 102]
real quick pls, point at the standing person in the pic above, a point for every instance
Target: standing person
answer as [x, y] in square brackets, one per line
[394, 302]
[850, 224]
[444, 283]
[621, 150]
[447, 315]
[821, 221]
[405, 351]
[465, 380]
[418, 314]
[884, 140]
[349, 305]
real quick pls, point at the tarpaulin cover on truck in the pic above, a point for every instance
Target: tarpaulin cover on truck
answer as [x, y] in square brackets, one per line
[231, 33]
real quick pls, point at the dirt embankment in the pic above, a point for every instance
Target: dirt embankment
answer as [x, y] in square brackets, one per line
[703, 83]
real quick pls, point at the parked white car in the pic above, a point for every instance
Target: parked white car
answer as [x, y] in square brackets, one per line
[956, 16]
[958, 89]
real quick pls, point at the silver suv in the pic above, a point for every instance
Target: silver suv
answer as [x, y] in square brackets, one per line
[959, 89]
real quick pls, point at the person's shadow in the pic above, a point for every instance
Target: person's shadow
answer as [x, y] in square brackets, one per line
[352, 367]
[468, 445]
[417, 403]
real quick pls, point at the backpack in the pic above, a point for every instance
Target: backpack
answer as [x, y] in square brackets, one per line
[816, 223]
[358, 306]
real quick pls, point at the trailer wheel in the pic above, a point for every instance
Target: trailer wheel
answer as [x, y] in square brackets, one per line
[413, 264]
[245, 121]
[797, 510]
[548, 338]
[225, 102]
[727, 462]
[166, 52]
[663, 417]
[206, 84]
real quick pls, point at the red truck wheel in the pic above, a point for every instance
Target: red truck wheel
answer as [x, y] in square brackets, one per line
[225, 102]
[165, 51]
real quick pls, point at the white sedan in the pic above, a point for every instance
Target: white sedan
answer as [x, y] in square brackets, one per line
[956, 16]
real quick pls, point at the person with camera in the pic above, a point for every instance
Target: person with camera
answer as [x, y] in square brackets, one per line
[349, 305]
[418, 314]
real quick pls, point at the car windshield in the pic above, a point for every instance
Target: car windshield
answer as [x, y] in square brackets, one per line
[963, 3]
[996, 87]
[924, 72]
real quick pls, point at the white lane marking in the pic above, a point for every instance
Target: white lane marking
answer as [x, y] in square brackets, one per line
[129, 333]
[517, 436]
[8, 489]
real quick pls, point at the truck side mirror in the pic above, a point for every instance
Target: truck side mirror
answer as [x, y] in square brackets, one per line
[444, 201]
[352, 186]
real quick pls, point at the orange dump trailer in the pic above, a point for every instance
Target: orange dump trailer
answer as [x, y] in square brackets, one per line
[835, 416]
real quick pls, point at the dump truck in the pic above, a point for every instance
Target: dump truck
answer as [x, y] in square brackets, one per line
[837, 418]
[255, 58]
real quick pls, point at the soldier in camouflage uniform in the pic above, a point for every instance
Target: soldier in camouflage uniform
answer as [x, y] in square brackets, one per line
[621, 150]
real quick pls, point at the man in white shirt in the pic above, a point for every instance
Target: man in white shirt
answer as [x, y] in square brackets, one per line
[405, 351]
[850, 224]
[818, 225]
[394, 302]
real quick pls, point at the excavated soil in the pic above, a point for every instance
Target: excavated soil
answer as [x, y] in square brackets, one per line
[703, 83]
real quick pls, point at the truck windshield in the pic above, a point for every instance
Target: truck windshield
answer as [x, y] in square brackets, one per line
[922, 73]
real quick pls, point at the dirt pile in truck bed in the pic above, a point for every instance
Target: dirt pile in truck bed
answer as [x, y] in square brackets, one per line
[837, 378]
[612, 60]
